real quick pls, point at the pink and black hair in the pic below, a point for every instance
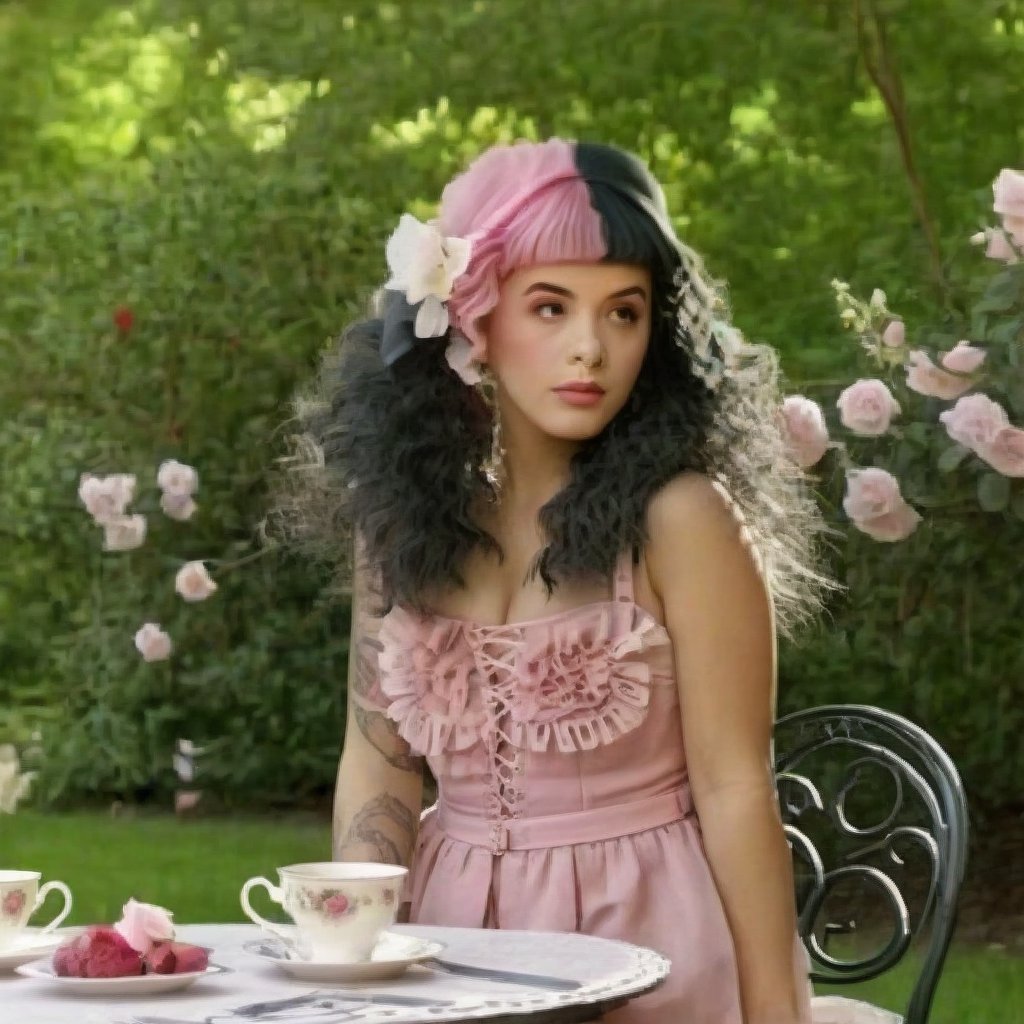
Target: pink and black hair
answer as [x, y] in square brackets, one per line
[401, 437]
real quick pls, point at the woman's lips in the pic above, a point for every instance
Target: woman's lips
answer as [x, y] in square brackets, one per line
[580, 394]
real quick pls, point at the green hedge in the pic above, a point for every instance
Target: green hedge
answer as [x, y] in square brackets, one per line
[230, 170]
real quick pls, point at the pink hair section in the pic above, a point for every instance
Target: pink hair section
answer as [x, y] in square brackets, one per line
[521, 205]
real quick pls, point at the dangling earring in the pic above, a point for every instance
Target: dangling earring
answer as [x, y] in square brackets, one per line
[493, 465]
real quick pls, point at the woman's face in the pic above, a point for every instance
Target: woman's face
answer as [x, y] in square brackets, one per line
[566, 342]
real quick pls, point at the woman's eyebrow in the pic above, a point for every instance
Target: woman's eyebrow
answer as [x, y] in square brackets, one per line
[556, 289]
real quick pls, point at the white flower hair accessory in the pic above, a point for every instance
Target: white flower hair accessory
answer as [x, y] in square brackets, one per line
[424, 265]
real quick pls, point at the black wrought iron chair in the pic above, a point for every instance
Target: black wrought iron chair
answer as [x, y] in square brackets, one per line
[877, 819]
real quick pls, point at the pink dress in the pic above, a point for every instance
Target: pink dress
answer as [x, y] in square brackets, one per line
[563, 797]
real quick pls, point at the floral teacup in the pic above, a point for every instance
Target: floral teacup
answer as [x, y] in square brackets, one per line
[339, 909]
[20, 897]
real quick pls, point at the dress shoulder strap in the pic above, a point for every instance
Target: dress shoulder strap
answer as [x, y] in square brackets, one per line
[623, 585]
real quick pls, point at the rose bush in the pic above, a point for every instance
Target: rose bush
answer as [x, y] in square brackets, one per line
[923, 471]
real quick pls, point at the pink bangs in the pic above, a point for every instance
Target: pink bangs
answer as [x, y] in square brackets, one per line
[522, 205]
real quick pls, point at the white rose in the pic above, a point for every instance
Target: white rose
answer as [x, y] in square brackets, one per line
[106, 497]
[153, 643]
[193, 582]
[124, 533]
[176, 478]
[178, 506]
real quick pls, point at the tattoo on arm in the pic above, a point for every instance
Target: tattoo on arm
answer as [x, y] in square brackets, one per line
[374, 724]
[387, 826]
[380, 731]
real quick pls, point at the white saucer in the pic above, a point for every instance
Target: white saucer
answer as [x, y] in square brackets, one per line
[392, 955]
[134, 985]
[31, 945]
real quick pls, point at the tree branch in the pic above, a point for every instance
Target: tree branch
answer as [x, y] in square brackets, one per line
[873, 45]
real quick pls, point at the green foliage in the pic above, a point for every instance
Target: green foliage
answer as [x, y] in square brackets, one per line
[229, 169]
[928, 626]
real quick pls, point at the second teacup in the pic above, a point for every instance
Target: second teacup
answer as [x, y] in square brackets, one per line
[20, 897]
[339, 908]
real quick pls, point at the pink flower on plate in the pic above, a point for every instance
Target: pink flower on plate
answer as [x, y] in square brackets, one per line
[1005, 452]
[876, 507]
[336, 905]
[974, 421]
[867, 407]
[13, 903]
[144, 924]
[924, 377]
[805, 430]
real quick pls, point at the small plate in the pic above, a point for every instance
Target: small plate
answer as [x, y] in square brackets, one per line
[134, 985]
[31, 945]
[392, 955]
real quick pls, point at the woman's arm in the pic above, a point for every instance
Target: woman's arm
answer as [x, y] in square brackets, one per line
[379, 793]
[718, 613]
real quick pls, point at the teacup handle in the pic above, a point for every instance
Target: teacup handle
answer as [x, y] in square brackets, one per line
[275, 893]
[44, 890]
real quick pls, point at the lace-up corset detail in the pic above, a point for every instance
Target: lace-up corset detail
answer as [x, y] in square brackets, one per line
[569, 682]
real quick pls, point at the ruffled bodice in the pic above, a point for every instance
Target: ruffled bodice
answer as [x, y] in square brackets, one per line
[568, 682]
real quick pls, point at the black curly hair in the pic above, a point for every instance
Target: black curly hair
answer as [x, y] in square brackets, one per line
[394, 452]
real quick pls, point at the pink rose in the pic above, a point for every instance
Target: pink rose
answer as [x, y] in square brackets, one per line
[1014, 227]
[974, 421]
[106, 497]
[895, 334]
[143, 924]
[805, 430]
[963, 358]
[124, 533]
[876, 507]
[176, 478]
[924, 377]
[336, 905]
[193, 582]
[1008, 193]
[1005, 452]
[178, 506]
[997, 245]
[153, 643]
[867, 408]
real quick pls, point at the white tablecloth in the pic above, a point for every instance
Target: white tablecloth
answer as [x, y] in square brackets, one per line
[609, 971]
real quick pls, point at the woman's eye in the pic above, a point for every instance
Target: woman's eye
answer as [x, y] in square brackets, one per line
[625, 315]
[549, 309]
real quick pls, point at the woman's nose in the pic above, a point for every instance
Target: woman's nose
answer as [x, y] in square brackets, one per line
[586, 345]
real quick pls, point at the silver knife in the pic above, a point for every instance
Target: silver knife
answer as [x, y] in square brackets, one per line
[509, 977]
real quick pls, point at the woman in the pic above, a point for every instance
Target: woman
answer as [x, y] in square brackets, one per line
[575, 525]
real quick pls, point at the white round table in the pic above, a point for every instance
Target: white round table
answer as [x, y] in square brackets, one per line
[257, 992]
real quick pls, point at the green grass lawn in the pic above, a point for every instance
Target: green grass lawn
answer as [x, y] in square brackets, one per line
[196, 869]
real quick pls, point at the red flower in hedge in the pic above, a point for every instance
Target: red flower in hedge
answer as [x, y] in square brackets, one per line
[124, 318]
